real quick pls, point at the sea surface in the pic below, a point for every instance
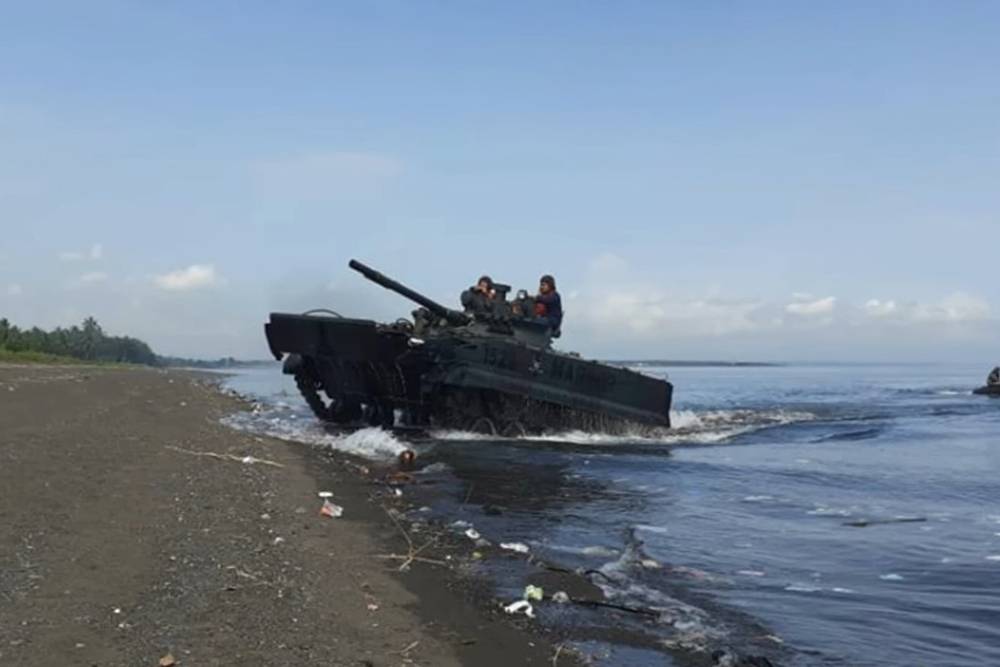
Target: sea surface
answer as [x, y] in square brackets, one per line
[820, 514]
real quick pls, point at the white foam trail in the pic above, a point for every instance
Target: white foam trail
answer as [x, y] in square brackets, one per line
[892, 576]
[687, 427]
[370, 443]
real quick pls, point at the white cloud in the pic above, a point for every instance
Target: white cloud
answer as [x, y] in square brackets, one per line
[645, 316]
[959, 307]
[14, 290]
[326, 176]
[95, 253]
[877, 308]
[192, 277]
[956, 308]
[822, 306]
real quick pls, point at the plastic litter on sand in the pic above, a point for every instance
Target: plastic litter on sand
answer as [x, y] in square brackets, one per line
[472, 534]
[515, 546]
[331, 510]
[521, 606]
[533, 592]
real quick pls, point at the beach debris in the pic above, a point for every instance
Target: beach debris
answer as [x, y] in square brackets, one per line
[331, 510]
[409, 647]
[477, 555]
[864, 523]
[520, 606]
[398, 478]
[519, 547]
[325, 494]
[560, 597]
[279, 540]
[228, 457]
[413, 551]
[472, 534]
[533, 592]
[168, 661]
[460, 524]
[650, 564]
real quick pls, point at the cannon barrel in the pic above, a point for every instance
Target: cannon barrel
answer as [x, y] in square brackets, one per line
[371, 274]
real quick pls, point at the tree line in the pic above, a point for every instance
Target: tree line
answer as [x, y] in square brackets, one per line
[87, 342]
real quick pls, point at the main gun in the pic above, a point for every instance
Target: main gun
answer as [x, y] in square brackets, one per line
[453, 316]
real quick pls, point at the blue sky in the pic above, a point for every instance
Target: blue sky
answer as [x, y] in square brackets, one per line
[706, 180]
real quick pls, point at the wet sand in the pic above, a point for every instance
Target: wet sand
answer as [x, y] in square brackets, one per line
[121, 541]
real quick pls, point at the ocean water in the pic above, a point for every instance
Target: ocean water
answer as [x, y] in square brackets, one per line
[818, 514]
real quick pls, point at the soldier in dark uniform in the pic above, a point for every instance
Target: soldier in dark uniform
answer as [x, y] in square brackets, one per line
[548, 303]
[479, 297]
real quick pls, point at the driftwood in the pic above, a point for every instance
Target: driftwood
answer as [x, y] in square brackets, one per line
[413, 551]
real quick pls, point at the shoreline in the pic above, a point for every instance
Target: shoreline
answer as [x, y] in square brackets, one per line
[134, 529]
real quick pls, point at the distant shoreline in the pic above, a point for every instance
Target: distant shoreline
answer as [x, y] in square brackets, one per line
[694, 364]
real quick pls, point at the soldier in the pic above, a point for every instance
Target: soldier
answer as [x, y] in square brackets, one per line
[548, 303]
[479, 297]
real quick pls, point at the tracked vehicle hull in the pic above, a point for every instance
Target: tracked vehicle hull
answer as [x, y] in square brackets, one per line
[357, 372]
[988, 390]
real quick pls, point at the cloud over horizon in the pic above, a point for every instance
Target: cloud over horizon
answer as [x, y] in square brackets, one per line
[192, 277]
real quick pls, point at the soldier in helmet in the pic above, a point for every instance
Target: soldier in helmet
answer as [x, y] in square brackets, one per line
[479, 297]
[548, 303]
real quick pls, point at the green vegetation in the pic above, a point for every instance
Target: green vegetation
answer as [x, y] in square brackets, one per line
[25, 357]
[84, 343]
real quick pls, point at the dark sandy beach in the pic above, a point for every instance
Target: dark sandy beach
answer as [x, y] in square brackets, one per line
[121, 542]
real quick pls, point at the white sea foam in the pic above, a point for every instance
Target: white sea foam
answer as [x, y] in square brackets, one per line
[370, 443]
[687, 427]
[660, 530]
[829, 511]
[892, 576]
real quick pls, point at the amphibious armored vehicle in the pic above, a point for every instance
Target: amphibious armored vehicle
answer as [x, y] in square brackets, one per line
[992, 386]
[491, 371]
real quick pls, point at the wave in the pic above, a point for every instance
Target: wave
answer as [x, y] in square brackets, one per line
[370, 443]
[689, 427]
[860, 434]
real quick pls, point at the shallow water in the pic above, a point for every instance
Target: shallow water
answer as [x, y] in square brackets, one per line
[773, 507]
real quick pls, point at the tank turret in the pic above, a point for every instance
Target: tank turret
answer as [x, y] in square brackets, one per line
[501, 319]
[452, 316]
